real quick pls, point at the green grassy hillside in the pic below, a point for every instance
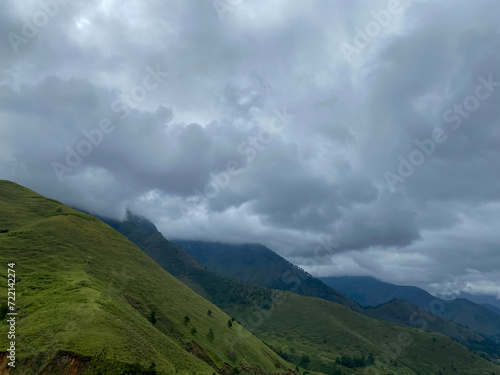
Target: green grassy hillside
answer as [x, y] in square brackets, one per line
[257, 264]
[402, 312]
[368, 291]
[67, 304]
[220, 290]
[301, 328]
[315, 332]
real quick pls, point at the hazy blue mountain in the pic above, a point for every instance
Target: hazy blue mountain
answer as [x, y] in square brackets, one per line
[260, 265]
[488, 301]
[256, 264]
[495, 309]
[368, 291]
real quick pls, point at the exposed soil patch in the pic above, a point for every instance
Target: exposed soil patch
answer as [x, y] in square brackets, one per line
[64, 363]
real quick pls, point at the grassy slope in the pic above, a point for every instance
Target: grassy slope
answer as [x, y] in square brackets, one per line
[220, 290]
[50, 243]
[368, 291]
[325, 330]
[402, 312]
[256, 263]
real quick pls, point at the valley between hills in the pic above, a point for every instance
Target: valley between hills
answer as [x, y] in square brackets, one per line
[100, 296]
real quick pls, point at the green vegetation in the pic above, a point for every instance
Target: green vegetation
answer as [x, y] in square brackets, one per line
[353, 362]
[469, 318]
[211, 335]
[66, 305]
[402, 312]
[312, 333]
[257, 264]
[220, 290]
[3, 310]
[152, 317]
[100, 364]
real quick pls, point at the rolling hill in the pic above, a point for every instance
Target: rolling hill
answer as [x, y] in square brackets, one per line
[368, 291]
[316, 332]
[348, 324]
[402, 312]
[258, 264]
[220, 290]
[488, 301]
[87, 298]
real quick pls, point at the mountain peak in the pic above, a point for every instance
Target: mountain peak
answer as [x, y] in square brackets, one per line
[141, 222]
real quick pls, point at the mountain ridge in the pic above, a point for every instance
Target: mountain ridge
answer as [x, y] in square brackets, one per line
[83, 287]
[257, 264]
[370, 291]
[286, 312]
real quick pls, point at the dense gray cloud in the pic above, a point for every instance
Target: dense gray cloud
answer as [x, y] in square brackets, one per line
[254, 123]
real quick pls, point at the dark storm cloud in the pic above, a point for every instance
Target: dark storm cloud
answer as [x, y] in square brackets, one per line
[254, 127]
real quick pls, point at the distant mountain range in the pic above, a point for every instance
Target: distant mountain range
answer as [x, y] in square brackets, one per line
[490, 302]
[102, 299]
[287, 312]
[368, 291]
[460, 319]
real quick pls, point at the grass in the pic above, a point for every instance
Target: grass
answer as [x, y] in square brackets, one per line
[323, 331]
[319, 329]
[67, 304]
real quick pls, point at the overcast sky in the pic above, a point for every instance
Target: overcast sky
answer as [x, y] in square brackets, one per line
[366, 128]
